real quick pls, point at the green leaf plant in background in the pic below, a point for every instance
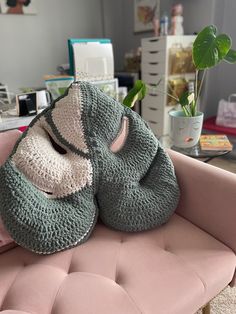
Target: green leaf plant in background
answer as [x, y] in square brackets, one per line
[138, 92]
[209, 49]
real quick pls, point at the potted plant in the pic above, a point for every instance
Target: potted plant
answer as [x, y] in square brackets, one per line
[209, 49]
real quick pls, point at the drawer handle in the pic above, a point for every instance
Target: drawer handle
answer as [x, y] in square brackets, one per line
[152, 108]
[153, 94]
[153, 40]
[153, 63]
[152, 84]
[152, 122]
[153, 52]
[153, 74]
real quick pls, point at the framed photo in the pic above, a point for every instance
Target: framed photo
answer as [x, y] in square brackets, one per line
[22, 7]
[145, 11]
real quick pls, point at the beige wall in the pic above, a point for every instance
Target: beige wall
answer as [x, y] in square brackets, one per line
[32, 46]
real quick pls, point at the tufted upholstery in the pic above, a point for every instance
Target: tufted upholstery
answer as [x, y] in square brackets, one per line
[167, 270]
[174, 269]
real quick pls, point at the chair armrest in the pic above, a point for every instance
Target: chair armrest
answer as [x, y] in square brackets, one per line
[208, 197]
[7, 142]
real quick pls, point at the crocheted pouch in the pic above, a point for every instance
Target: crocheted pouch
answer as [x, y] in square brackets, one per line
[84, 155]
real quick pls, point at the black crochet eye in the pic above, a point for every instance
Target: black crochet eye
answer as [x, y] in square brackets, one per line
[57, 147]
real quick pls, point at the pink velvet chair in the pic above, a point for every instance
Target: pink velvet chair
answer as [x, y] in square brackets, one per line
[175, 269]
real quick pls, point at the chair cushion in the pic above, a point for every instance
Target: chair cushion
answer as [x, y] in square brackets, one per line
[176, 268]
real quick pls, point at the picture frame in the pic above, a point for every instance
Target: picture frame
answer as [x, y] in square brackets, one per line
[16, 7]
[145, 12]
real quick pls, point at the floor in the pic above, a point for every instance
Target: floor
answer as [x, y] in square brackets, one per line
[225, 302]
[228, 164]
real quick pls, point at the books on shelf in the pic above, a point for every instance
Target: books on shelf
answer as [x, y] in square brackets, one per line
[215, 142]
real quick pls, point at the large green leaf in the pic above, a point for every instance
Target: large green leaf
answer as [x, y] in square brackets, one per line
[231, 56]
[209, 49]
[138, 92]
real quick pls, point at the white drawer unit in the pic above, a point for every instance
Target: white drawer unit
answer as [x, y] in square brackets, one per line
[153, 78]
[151, 113]
[154, 56]
[153, 43]
[156, 115]
[155, 67]
[153, 100]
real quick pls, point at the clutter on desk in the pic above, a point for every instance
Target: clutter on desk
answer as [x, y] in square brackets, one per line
[122, 93]
[91, 59]
[57, 84]
[164, 25]
[133, 60]
[10, 122]
[64, 69]
[24, 90]
[215, 142]
[226, 113]
[5, 98]
[109, 87]
[28, 104]
[169, 26]
[156, 26]
[180, 59]
[177, 19]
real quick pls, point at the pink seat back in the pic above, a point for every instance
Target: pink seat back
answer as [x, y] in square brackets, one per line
[7, 142]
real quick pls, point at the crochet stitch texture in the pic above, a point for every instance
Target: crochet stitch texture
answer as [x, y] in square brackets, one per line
[72, 164]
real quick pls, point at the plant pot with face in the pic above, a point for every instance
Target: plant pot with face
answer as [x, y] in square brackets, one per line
[185, 131]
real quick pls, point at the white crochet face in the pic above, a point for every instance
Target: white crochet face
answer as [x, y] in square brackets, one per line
[48, 164]
[67, 117]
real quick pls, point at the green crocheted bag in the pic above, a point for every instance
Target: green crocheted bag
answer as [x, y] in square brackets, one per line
[86, 155]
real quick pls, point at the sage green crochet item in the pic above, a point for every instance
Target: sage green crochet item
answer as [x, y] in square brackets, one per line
[86, 155]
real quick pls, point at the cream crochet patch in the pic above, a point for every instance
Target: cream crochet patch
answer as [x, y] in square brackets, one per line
[56, 174]
[67, 118]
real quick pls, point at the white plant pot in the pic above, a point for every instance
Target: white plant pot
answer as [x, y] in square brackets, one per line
[185, 131]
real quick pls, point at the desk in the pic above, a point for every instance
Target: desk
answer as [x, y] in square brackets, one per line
[14, 122]
[194, 152]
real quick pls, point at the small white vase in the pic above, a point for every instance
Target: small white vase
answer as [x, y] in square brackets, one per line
[185, 131]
